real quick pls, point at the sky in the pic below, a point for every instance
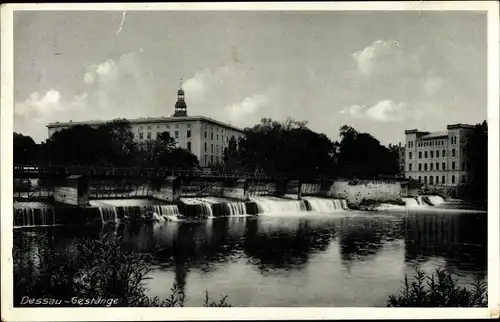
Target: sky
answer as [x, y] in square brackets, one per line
[379, 72]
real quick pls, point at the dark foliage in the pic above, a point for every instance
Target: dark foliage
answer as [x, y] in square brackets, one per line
[477, 151]
[91, 269]
[25, 149]
[438, 290]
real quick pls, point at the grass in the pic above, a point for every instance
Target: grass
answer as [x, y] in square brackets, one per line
[92, 269]
[438, 290]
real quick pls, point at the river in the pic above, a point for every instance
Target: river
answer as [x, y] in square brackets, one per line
[341, 259]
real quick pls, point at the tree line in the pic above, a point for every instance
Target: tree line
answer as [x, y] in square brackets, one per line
[107, 145]
[288, 148]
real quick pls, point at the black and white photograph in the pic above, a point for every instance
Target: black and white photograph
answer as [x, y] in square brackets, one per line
[250, 157]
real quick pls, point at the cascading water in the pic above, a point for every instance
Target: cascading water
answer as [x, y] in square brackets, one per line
[276, 205]
[236, 208]
[33, 214]
[108, 215]
[411, 202]
[435, 200]
[326, 205]
[205, 206]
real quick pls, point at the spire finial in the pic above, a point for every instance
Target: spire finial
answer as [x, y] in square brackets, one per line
[180, 84]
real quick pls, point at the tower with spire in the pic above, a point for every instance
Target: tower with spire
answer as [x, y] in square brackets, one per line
[180, 105]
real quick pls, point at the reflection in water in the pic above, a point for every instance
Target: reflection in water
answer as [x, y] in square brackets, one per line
[297, 260]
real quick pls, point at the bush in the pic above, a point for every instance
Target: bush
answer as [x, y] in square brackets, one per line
[438, 290]
[92, 269]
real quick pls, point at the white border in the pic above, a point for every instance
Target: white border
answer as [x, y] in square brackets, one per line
[98, 314]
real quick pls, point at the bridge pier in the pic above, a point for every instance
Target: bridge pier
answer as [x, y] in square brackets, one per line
[74, 190]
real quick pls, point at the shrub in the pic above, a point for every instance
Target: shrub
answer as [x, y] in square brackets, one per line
[91, 269]
[438, 290]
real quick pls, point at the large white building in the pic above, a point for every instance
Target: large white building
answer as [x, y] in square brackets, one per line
[438, 158]
[204, 137]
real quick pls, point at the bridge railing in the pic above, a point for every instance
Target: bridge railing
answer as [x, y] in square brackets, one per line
[117, 171]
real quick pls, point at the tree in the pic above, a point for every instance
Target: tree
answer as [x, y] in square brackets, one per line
[25, 149]
[362, 156]
[477, 152]
[120, 138]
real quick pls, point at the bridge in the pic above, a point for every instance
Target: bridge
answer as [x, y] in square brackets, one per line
[26, 171]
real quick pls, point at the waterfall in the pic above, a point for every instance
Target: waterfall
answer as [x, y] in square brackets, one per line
[168, 212]
[204, 204]
[108, 215]
[236, 208]
[411, 202]
[435, 200]
[326, 205]
[276, 205]
[33, 214]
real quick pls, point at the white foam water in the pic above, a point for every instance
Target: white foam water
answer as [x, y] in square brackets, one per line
[436, 200]
[205, 204]
[276, 205]
[108, 215]
[326, 205]
[33, 214]
[236, 208]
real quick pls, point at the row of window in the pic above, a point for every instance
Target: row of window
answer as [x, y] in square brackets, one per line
[212, 148]
[222, 137]
[167, 126]
[436, 181]
[176, 134]
[443, 166]
[426, 154]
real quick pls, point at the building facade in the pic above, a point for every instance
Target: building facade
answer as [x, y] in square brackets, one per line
[438, 158]
[204, 137]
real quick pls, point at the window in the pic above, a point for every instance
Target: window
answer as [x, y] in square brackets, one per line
[425, 179]
[206, 159]
[437, 179]
[189, 146]
[158, 135]
[205, 134]
[453, 179]
[463, 151]
[205, 146]
[141, 136]
[463, 179]
[431, 180]
[442, 180]
[425, 167]
[189, 126]
[149, 135]
[149, 127]
[420, 167]
[419, 179]
[211, 136]
[212, 148]
[409, 167]
[453, 152]
[444, 166]
[217, 148]
[177, 126]
[157, 126]
[211, 159]
[409, 155]
[420, 155]
[437, 165]
[432, 154]
[437, 153]
[188, 133]
[444, 153]
[176, 134]
[425, 154]
[167, 126]
[453, 166]
[431, 165]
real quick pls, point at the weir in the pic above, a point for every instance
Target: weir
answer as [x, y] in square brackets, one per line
[31, 217]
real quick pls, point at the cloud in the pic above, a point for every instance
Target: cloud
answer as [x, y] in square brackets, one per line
[238, 112]
[383, 111]
[204, 81]
[433, 84]
[36, 104]
[385, 57]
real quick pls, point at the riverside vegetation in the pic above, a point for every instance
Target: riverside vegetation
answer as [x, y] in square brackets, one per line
[93, 269]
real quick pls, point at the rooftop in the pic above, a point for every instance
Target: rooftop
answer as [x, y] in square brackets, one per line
[434, 135]
[148, 120]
